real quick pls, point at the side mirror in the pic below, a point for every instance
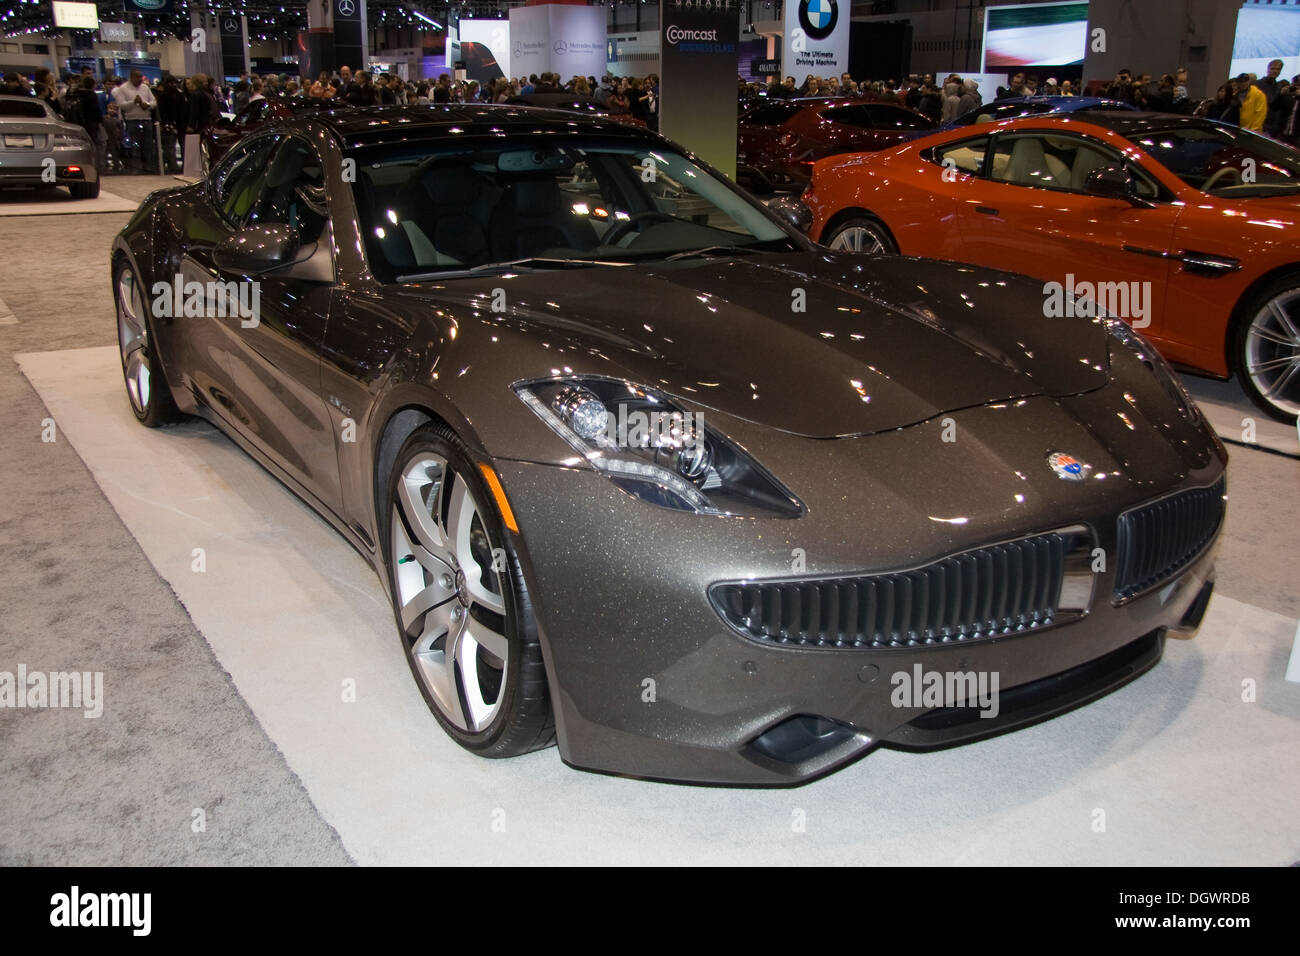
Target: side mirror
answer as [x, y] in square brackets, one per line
[1112, 182]
[793, 213]
[257, 249]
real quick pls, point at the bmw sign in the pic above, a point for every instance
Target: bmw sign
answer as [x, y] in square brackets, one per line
[818, 18]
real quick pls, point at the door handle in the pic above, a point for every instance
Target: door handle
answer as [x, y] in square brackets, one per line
[986, 210]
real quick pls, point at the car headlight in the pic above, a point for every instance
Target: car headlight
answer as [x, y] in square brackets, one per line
[1124, 336]
[70, 141]
[655, 450]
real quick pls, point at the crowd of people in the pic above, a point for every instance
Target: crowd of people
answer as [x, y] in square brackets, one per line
[120, 113]
[1268, 104]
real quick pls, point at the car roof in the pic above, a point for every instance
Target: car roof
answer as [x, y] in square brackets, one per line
[362, 125]
[1130, 124]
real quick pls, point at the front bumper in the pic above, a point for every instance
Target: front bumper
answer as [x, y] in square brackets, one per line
[647, 679]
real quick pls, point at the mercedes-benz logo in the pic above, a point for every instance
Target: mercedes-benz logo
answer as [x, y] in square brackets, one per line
[462, 589]
[232, 25]
[347, 8]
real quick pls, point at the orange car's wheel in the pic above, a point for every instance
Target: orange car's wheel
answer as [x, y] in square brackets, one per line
[1266, 348]
[864, 235]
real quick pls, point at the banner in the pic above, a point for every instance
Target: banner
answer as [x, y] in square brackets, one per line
[697, 85]
[234, 44]
[577, 41]
[816, 38]
[557, 38]
[350, 34]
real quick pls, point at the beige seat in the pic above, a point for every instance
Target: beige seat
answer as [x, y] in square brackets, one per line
[1030, 166]
[1085, 161]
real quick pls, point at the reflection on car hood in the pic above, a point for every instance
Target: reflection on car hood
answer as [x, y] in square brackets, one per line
[816, 344]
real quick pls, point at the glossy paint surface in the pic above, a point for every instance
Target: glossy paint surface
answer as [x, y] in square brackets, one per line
[845, 401]
[1051, 233]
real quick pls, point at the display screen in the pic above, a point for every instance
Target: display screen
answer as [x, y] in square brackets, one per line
[76, 16]
[1266, 32]
[1035, 34]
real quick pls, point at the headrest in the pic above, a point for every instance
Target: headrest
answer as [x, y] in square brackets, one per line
[537, 197]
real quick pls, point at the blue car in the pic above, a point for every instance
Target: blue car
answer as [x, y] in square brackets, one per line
[1015, 106]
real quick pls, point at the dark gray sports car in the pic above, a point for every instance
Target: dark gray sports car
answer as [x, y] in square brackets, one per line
[649, 474]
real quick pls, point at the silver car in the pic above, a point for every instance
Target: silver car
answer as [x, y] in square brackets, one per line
[37, 148]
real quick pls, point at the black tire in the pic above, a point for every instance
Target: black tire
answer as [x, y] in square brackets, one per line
[524, 720]
[155, 407]
[1250, 348]
[870, 231]
[84, 190]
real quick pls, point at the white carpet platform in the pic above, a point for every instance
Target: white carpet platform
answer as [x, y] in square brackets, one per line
[1184, 770]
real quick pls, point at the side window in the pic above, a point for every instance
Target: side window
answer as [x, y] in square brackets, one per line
[1047, 162]
[849, 116]
[239, 180]
[293, 191]
[966, 156]
[893, 117]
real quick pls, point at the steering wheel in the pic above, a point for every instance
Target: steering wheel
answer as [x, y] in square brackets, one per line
[1220, 174]
[612, 237]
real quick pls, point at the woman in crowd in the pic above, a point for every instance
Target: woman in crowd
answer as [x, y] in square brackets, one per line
[1224, 106]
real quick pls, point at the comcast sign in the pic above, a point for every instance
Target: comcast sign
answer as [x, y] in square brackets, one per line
[676, 34]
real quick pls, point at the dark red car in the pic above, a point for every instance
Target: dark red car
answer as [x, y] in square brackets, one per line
[779, 140]
[222, 137]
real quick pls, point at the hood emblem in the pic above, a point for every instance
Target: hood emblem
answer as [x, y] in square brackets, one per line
[1067, 467]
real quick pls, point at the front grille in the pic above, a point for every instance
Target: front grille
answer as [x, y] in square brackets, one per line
[983, 593]
[1158, 540]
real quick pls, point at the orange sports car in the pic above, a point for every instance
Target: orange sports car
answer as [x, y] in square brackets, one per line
[1187, 228]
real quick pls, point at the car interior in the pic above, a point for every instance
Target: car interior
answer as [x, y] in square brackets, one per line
[472, 208]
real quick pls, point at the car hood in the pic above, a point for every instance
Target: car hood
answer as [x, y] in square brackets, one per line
[815, 344]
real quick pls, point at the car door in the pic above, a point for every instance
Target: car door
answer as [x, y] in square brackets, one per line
[265, 345]
[1028, 212]
[276, 360]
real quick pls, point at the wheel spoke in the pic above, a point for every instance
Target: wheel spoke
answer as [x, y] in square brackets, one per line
[1282, 381]
[438, 664]
[460, 514]
[419, 494]
[491, 641]
[1285, 321]
[1268, 335]
[1273, 364]
[430, 596]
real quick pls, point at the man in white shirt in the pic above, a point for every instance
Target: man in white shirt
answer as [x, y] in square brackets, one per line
[135, 101]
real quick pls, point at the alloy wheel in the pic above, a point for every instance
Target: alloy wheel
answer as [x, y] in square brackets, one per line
[1272, 352]
[133, 340]
[858, 239]
[449, 592]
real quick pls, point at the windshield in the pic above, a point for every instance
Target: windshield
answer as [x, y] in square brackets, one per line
[426, 208]
[1225, 161]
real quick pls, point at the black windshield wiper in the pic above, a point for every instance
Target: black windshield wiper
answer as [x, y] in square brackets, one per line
[712, 251]
[528, 264]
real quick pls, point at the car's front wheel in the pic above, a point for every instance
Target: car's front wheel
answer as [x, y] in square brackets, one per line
[461, 604]
[862, 235]
[151, 399]
[1266, 349]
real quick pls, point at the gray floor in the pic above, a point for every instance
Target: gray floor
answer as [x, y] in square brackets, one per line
[78, 590]
[77, 593]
